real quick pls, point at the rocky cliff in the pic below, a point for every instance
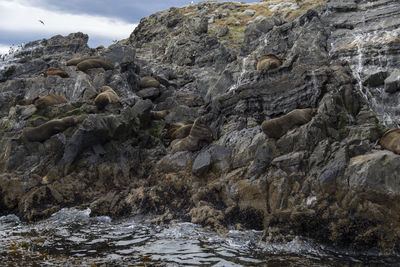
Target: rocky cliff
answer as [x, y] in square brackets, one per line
[262, 116]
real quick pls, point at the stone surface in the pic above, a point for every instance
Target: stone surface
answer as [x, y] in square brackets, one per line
[202, 163]
[377, 171]
[392, 83]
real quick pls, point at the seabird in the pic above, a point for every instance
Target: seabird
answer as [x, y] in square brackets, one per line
[41, 21]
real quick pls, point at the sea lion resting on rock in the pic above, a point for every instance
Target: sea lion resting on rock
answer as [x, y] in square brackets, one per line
[158, 115]
[269, 62]
[391, 140]
[25, 102]
[180, 130]
[49, 100]
[200, 131]
[275, 128]
[107, 96]
[76, 61]
[46, 130]
[147, 82]
[57, 72]
[95, 63]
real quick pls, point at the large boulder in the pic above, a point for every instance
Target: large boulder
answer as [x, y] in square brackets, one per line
[378, 171]
[392, 83]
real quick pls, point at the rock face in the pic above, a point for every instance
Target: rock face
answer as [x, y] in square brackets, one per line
[187, 139]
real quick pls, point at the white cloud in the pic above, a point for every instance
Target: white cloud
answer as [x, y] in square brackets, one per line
[22, 18]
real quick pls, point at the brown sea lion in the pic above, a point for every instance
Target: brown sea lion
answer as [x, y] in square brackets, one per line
[200, 131]
[181, 132]
[95, 63]
[107, 96]
[25, 102]
[49, 100]
[391, 140]
[76, 61]
[147, 82]
[269, 62]
[46, 130]
[275, 128]
[161, 114]
[57, 72]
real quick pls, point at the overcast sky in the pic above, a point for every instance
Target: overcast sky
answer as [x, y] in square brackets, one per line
[103, 20]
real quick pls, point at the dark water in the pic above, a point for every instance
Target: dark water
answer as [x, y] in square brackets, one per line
[73, 238]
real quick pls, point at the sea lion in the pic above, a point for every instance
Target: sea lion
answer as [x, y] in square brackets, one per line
[57, 72]
[391, 140]
[107, 96]
[161, 114]
[25, 102]
[200, 131]
[46, 130]
[269, 62]
[147, 82]
[276, 128]
[76, 61]
[95, 63]
[179, 130]
[49, 100]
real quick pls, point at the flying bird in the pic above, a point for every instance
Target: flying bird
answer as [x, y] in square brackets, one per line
[41, 21]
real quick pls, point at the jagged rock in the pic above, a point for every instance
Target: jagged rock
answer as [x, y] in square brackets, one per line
[376, 78]
[202, 163]
[149, 93]
[175, 162]
[377, 171]
[292, 162]
[119, 54]
[321, 173]
[392, 83]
